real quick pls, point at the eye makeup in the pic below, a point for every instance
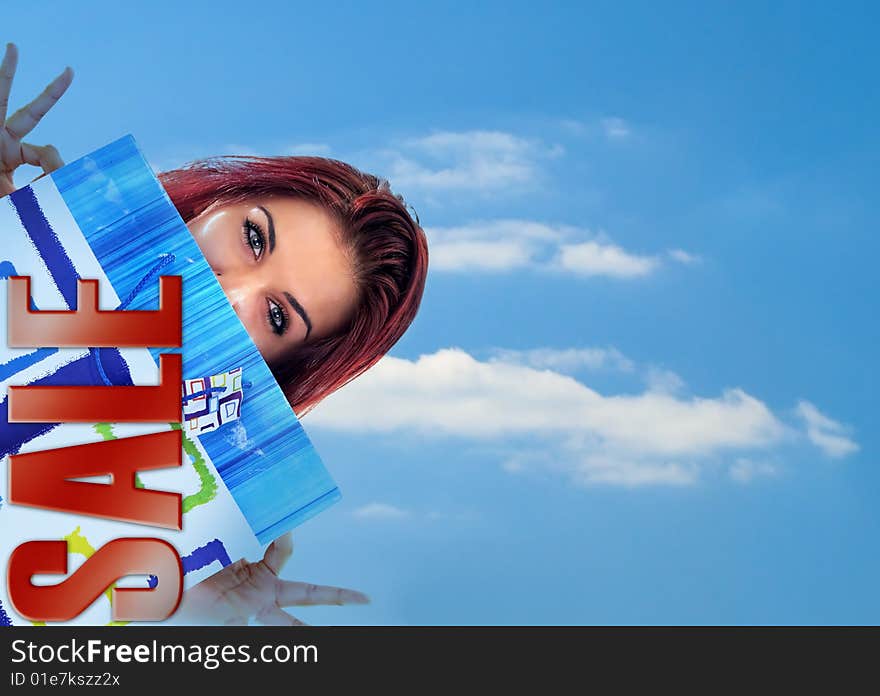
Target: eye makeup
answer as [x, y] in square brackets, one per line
[277, 317]
[254, 237]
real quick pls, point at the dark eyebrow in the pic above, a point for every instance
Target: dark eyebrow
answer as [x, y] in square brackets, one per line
[271, 228]
[298, 308]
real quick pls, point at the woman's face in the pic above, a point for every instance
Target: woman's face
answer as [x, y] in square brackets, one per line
[281, 264]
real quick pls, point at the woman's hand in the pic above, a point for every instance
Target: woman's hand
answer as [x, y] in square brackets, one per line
[13, 150]
[243, 590]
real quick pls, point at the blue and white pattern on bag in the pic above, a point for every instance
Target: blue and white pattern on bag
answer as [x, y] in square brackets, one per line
[128, 233]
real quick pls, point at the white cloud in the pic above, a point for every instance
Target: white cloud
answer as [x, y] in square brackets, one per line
[566, 360]
[386, 512]
[574, 126]
[511, 244]
[611, 128]
[572, 360]
[380, 511]
[493, 245]
[684, 257]
[315, 149]
[515, 463]
[640, 439]
[480, 256]
[452, 392]
[828, 435]
[744, 470]
[476, 160]
[615, 128]
[593, 258]
[174, 160]
[666, 381]
[618, 471]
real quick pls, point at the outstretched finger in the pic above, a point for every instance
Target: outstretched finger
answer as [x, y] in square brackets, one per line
[226, 579]
[303, 594]
[279, 552]
[23, 121]
[278, 617]
[7, 72]
[43, 156]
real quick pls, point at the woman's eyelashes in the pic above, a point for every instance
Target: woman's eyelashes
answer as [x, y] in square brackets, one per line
[254, 237]
[278, 319]
[276, 315]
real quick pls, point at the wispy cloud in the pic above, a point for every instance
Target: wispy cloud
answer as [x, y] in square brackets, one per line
[827, 434]
[509, 244]
[385, 512]
[475, 160]
[666, 381]
[316, 149]
[380, 511]
[684, 257]
[566, 360]
[615, 128]
[612, 128]
[173, 160]
[745, 470]
[571, 361]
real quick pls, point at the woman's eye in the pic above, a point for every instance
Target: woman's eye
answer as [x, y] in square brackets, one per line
[253, 236]
[277, 317]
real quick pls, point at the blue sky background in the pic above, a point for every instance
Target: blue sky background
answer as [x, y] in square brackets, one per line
[653, 250]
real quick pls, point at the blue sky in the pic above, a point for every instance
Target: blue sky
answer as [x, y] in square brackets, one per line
[641, 388]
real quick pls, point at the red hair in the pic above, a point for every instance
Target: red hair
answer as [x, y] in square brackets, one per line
[388, 247]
